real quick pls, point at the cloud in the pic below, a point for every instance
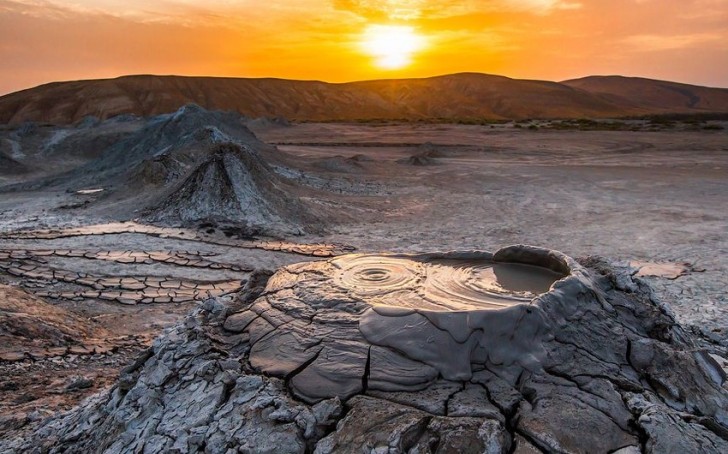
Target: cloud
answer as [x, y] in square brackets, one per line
[34, 8]
[648, 43]
[184, 12]
[416, 9]
[543, 6]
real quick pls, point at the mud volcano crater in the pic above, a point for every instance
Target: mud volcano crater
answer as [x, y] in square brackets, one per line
[399, 322]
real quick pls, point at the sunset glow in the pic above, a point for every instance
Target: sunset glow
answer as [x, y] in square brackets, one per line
[392, 46]
[345, 40]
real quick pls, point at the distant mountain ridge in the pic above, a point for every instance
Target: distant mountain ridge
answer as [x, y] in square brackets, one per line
[456, 96]
[667, 96]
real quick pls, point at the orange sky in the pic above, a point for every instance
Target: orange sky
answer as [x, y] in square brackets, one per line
[48, 40]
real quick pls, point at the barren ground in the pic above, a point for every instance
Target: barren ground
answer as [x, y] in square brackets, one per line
[655, 197]
[628, 196]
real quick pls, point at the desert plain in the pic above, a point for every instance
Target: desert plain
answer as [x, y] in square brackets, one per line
[95, 274]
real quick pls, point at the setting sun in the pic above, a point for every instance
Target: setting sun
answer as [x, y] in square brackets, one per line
[392, 46]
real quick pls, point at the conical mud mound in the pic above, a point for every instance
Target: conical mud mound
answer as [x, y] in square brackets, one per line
[233, 186]
[178, 159]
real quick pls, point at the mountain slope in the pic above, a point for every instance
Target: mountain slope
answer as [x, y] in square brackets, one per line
[465, 95]
[658, 95]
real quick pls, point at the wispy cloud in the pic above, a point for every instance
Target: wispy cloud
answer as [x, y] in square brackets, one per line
[186, 12]
[650, 43]
[416, 9]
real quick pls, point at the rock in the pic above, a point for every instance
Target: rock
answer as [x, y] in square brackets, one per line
[434, 399]
[473, 401]
[328, 412]
[670, 431]
[628, 450]
[374, 425]
[79, 382]
[544, 354]
[564, 424]
[38, 415]
[523, 446]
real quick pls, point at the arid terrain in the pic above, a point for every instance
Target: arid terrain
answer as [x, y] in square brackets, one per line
[108, 233]
[465, 97]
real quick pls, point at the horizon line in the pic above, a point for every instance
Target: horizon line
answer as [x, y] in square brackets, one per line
[123, 76]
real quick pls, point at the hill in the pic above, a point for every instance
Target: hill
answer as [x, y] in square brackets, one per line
[457, 96]
[668, 97]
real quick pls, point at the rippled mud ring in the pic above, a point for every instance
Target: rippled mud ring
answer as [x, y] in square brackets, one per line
[373, 275]
[448, 282]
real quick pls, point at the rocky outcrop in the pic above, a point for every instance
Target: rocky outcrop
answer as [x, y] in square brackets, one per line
[524, 350]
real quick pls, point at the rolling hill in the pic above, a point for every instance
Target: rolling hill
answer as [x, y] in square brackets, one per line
[656, 95]
[457, 96]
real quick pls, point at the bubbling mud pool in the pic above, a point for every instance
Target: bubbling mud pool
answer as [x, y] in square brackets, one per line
[445, 284]
[402, 320]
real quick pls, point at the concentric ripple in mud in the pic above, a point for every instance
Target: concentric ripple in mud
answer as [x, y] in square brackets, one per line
[369, 275]
[441, 285]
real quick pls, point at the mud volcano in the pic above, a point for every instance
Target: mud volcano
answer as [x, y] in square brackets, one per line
[521, 351]
[437, 315]
[233, 186]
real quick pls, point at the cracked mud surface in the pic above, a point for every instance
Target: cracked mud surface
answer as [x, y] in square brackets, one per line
[73, 316]
[286, 366]
[655, 200]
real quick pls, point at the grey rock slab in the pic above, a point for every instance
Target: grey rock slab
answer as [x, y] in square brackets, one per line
[628, 450]
[503, 395]
[523, 446]
[668, 431]
[561, 423]
[338, 370]
[433, 399]
[699, 390]
[420, 340]
[473, 401]
[280, 354]
[372, 425]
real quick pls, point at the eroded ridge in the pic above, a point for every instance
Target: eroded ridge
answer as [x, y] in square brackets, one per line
[289, 367]
[314, 250]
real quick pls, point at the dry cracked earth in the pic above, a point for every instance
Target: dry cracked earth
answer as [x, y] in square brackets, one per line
[135, 316]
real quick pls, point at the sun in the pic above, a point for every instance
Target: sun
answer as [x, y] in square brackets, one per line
[392, 46]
